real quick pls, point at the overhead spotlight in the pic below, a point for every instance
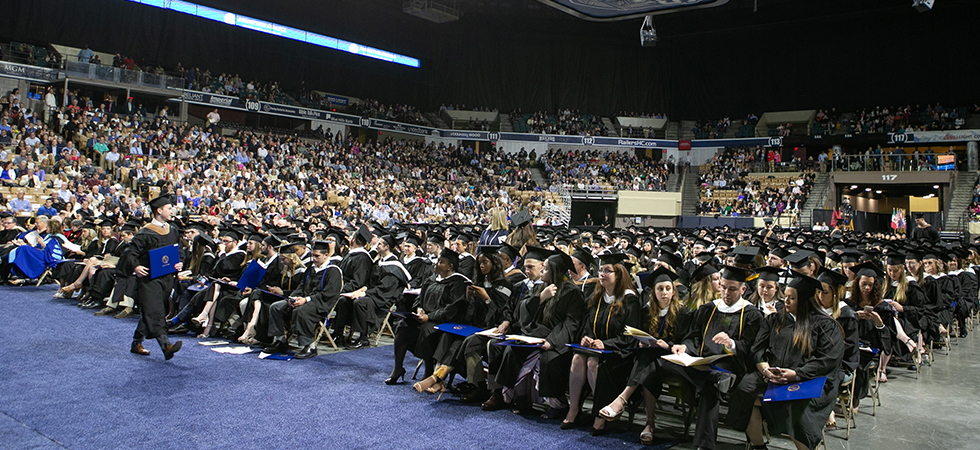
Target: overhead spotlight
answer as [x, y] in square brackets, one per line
[648, 35]
[923, 5]
[867, 189]
[935, 186]
[877, 192]
[854, 186]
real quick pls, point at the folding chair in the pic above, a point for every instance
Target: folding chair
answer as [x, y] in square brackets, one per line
[845, 399]
[324, 331]
[874, 383]
[385, 324]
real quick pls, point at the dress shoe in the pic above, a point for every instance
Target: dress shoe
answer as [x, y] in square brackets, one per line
[124, 314]
[169, 350]
[359, 345]
[277, 347]
[307, 352]
[396, 374]
[107, 311]
[599, 431]
[179, 329]
[495, 403]
[92, 304]
[138, 349]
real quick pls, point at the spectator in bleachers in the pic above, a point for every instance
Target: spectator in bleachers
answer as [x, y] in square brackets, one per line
[612, 170]
[20, 204]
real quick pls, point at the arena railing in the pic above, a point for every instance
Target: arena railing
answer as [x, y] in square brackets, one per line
[125, 76]
[902, 162]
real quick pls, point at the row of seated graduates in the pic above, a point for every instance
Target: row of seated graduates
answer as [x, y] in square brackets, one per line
[891, 303]
[940, 295]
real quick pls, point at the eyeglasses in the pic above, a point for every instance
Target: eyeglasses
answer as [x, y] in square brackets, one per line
[607, 271]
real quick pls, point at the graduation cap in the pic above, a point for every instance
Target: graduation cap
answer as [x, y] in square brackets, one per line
[834, 256]
[768, 273]
[833, 278]
[450, 256]
[661, 275]
[669, 246]
[510, 252]
[537, 253]
[799, 259]
[104, 223]
[745, 255]
[89, 224]
[231, 232]
[488, 250]
[131, 226]
[205, 240]
[337, 234]
[806, 287]
[322, 246]
[671, 259]
[612, 258]
[930, 253]
[413, 239]
[735, 273]
[390, 240]
[159, 202]
[850, 255]
[520, 219]
[272, 240]
[436, 238]
[583, 256]
[564, 262]
[868, 269]
[780, 252]
[895, 259]
[703, 271]
[256, 237]
[363, 234]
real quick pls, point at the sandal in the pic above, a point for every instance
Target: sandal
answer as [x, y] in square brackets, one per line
[424, 385]
[247, 337]
[609, 414]
[646, 437]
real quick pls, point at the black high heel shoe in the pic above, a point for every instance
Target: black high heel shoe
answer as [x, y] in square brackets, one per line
[396, 374]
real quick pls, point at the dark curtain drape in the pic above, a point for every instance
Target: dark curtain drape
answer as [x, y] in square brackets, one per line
[728, 62]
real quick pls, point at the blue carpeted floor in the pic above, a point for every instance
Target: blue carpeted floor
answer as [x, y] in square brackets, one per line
[67, 379]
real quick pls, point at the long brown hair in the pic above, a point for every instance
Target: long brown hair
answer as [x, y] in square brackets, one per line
[902, 287]
[701, 293]
[673, 311]
[876, 292]
[623, 282]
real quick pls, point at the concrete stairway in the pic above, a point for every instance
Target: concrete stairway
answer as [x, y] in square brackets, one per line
[436, 121]
[815, 200]
[671, 131]
[505, 125]
[612, 128]
[962, 197]
[690, 193]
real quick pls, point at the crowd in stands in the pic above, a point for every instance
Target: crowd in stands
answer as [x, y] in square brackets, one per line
[101, 163]
[596, 170]
[642, 115]
[890, 120]
[564, 121]
[728, 170]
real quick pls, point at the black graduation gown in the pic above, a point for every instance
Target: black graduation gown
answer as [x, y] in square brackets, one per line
[872, 340]
[231, 266]
[909, 317]
[105, 279]
[935, 308]
[967, 295]
[649, 369]
[848, 321]
[357, 267]
[152, 294]
[385, 289]
[288, 283]
[323, 288]
[420, 269]
[602, 324]
[444, 301]
[803, 420]
[741, 326]
[467, 265]
[562, 328]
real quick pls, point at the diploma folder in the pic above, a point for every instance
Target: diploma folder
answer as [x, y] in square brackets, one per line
[163, 259]
[594, 351]
[458, 329]
[796, 391]
[252, 276]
